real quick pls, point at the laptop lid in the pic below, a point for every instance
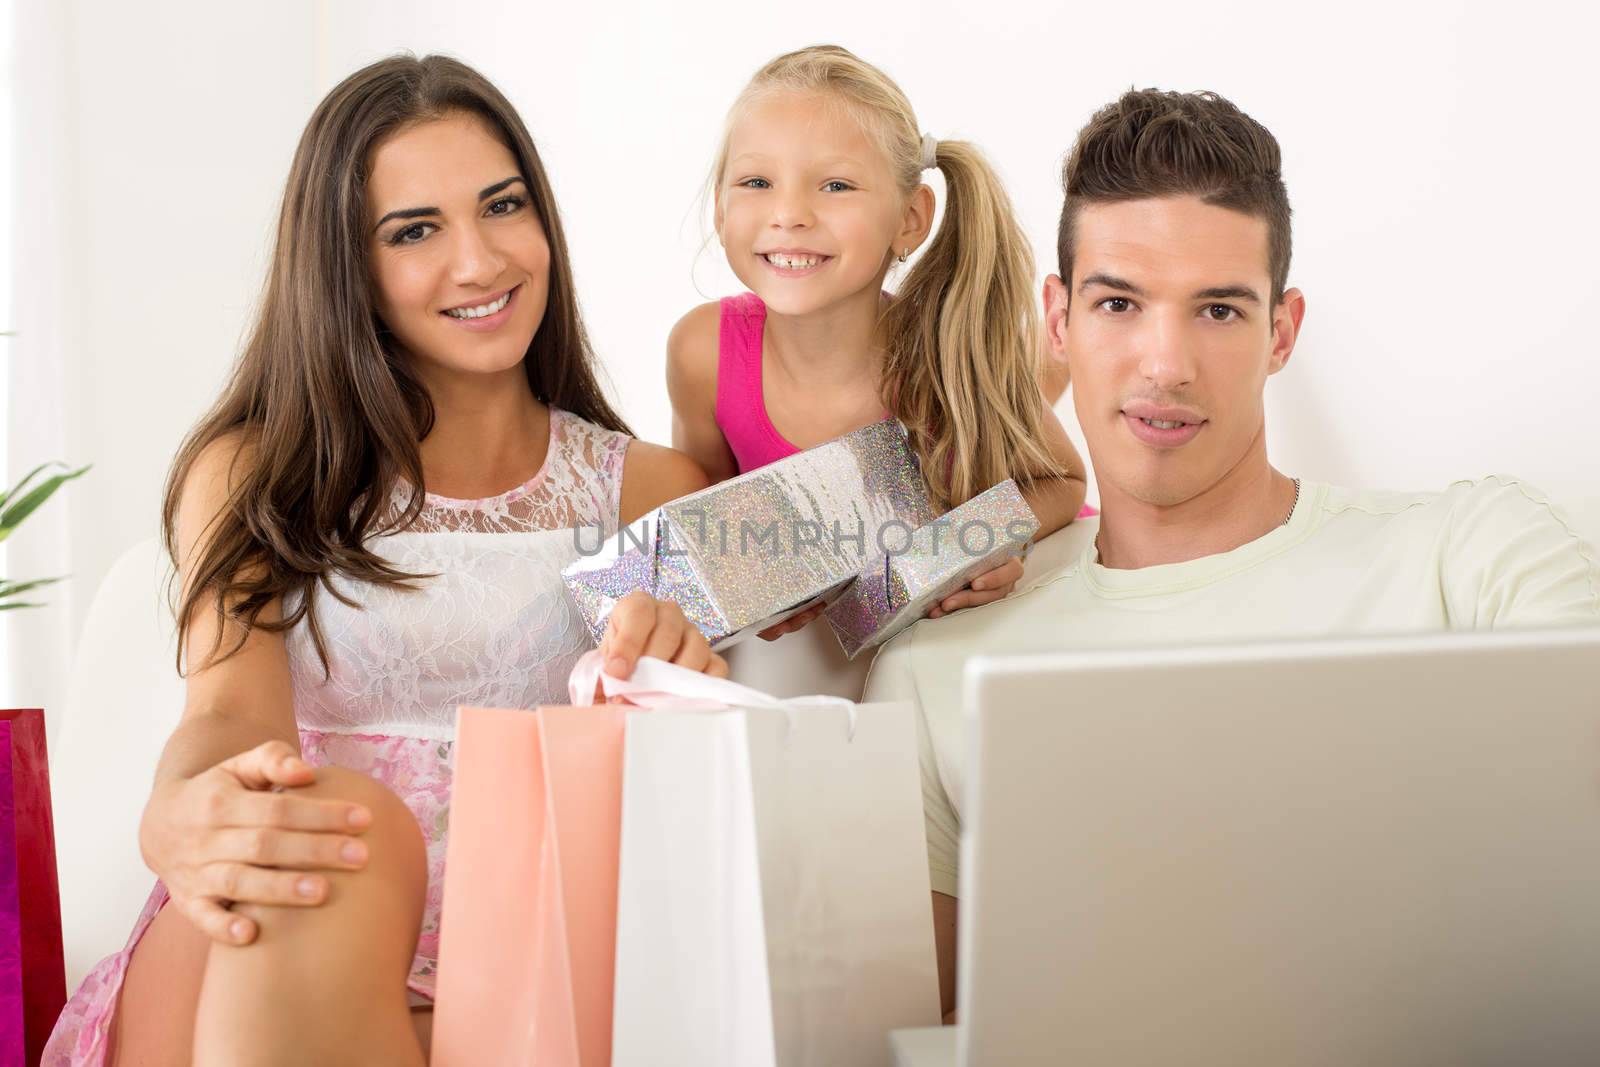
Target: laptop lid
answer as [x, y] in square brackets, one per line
[1381, 851]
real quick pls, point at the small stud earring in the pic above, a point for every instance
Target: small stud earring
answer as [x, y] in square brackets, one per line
[905, 254]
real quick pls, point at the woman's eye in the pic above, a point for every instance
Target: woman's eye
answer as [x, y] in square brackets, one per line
[505, 205]
[838, 187]
[1116, 304]
[411, 234]
[1221, 313]
[756, 183]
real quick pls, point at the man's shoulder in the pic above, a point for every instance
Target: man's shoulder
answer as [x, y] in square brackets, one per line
[1504, 552]
[1495, 502]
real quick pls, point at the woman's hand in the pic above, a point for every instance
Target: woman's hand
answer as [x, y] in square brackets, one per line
[224, 837]
[986, 588]
[641, 625]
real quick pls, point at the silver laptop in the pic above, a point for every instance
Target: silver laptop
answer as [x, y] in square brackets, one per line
[1367, 852]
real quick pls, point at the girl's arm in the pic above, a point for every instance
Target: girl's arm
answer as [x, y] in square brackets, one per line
[692, 350]
[1055, 502]
[1055, 379]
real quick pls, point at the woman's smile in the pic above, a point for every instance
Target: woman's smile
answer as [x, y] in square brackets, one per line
[484, 315]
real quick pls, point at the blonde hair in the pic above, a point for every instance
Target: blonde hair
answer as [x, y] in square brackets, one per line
[961, 336]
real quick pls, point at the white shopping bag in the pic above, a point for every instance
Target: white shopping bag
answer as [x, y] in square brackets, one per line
[773, 903]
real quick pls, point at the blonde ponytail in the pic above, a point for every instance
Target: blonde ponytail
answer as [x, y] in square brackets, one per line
[961, 336]
[961, 341]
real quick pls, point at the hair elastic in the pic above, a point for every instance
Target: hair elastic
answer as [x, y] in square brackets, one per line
[930, 149]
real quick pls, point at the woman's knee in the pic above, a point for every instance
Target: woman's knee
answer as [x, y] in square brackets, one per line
[389, 886]
[338, 968]
[394, 839]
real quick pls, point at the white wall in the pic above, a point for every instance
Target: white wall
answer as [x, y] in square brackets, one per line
[1440, 162]
[153, 143]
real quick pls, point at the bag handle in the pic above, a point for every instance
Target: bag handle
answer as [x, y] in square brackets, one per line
[662, 686]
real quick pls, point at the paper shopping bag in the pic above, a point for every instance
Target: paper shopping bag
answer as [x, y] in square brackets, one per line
[773, 901]
[13, 1027]
[528, 922]
[32, 868]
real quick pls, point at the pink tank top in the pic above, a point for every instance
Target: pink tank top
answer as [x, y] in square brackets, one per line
[741, 409]
[741, 405]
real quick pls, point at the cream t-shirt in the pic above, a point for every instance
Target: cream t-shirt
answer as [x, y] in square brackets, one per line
[1481, 555]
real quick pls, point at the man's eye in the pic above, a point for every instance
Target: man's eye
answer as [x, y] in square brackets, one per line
[1221, 313]
[756, 183]
[1116, 304]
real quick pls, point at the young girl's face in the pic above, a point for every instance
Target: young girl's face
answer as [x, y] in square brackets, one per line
[807, 207]
[459, 258]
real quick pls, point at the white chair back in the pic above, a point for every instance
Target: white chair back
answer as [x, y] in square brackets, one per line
[123, 700]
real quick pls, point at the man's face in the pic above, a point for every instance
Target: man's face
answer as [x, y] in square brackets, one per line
[1167, 328]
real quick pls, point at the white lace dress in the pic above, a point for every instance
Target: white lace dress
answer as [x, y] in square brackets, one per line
[494, 628]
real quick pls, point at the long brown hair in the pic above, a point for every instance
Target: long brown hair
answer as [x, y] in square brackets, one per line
[962, 352]
[327, 406]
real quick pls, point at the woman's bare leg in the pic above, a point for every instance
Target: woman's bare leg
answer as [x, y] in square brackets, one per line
[153, 1025]
[326, 985]
[318, 985]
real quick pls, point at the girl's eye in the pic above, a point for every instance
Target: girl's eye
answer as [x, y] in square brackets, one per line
[509, 204]
[1116, 304]
[411, 234]
[837, 186]
[755, 183]
[1221, 313]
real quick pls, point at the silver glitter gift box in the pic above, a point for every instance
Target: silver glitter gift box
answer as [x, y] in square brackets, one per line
[751, 551]
[896, 588]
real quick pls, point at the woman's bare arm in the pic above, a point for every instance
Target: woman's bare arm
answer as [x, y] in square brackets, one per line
[211, 828]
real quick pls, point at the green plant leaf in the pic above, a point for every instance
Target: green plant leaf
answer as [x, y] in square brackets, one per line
[13, 607]
[26, 478]
[13, 515]
[16, 588]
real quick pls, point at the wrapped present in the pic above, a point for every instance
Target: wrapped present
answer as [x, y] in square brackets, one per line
[751, 551]
[33, 985]
[896, 588]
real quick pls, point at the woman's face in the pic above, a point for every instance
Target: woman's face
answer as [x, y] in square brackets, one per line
[459, 256]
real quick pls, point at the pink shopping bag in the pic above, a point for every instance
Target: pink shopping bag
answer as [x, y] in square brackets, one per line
[528, 924]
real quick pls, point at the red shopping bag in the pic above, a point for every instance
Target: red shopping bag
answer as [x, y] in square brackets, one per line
[31, 868]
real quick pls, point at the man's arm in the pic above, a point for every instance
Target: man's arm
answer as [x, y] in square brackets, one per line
[891, 679]
[1513, 560]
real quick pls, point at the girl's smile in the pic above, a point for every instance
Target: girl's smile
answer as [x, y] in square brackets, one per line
[794, 264]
